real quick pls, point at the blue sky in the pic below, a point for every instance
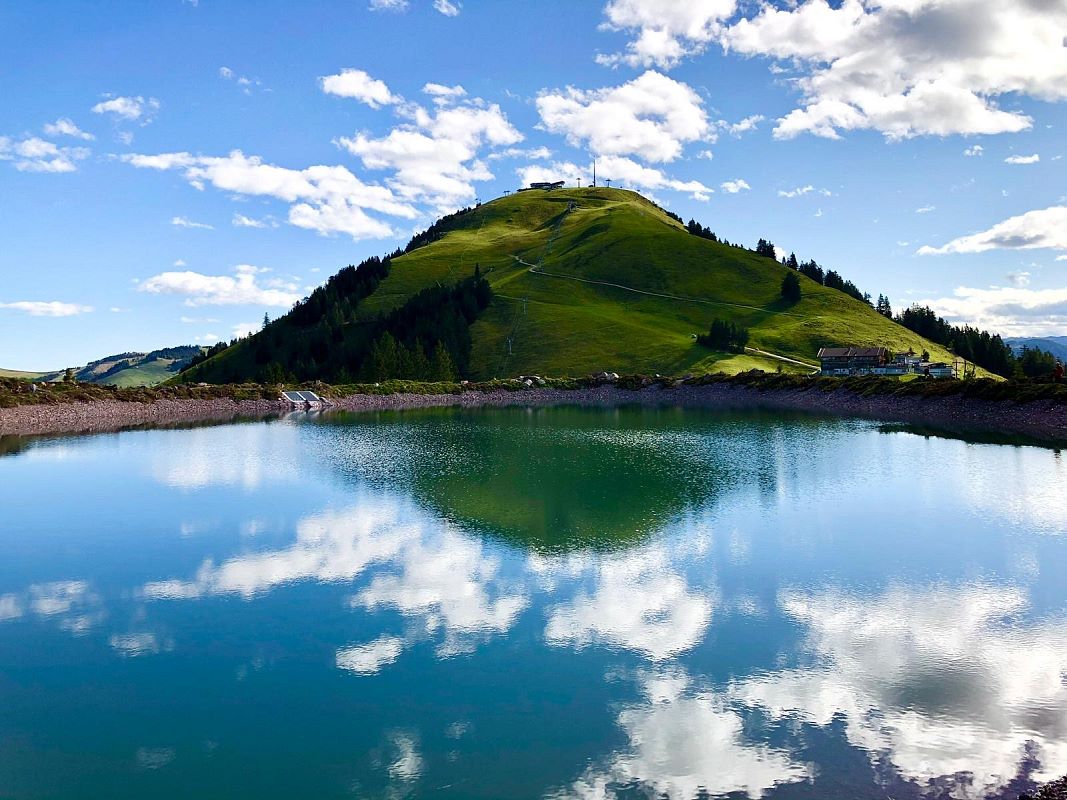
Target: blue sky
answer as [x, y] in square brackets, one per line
[170, 171]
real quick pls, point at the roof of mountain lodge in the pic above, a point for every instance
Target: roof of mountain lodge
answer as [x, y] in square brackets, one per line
[851, 352]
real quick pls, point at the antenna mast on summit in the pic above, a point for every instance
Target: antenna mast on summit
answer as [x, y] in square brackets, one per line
[594, 173]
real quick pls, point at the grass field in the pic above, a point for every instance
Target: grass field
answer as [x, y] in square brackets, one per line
[15, 373]
[559, 319]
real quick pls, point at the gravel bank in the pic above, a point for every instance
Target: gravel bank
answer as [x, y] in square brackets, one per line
[110, 415]
[1041, 420]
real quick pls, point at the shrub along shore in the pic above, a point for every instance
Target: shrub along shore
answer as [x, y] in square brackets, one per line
[1034, 410]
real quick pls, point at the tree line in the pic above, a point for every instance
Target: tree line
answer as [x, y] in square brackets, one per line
[724, 335]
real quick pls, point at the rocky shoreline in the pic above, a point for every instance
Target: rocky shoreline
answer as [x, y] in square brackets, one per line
[1042, 421]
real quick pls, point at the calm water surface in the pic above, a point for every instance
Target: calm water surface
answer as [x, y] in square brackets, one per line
[531, 604]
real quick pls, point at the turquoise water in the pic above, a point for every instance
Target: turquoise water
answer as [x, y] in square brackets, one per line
[531, 604]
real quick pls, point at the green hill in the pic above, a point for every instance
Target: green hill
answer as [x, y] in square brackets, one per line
[582, 280]
[123, 369]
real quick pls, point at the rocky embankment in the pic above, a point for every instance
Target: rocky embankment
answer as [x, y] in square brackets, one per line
[111, 415]
[1039, 420]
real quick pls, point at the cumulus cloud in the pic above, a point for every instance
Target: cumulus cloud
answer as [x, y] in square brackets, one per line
[1011, 310]
[971, 672]
[65, 127]
[183, 222]
[53, 308]
[1035, 229]
[638, 603]
[358, 85]
[131, 109]
[1035, 158]
[444, 93]
[972, 152]
[735, 186]
[388, 5]
[666, 30]
[535, 153]
[908, 68]
[621, 171]
[322, 198]
[925, 209]
[33, 154]
[651, 117]
[435, 155]
[686, 743]
[242, 288]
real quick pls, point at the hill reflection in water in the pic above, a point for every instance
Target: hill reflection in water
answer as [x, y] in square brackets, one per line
[558, 603]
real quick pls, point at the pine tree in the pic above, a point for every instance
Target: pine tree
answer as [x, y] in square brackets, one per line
[441, 366]
[384, 362]
[791, 287]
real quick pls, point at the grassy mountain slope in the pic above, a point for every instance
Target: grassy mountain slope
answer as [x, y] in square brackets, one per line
[123, 369]
[583, 280]
[18, 373]
[567, 326]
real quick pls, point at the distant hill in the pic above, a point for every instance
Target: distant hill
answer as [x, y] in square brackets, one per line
[124, 369]
[581, 280]
[1056, 345]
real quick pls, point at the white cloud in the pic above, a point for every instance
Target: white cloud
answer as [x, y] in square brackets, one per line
[435, 155]
[388, 5]
[246, 83]
[223, 290]
[744, 126]
[358, 85]
[638, 603]
[735, 186]
[325, 199]
[53, 308]
[685, 743]
[621, 171]
[908, 68]
[132, 109]
[38, 155]
[651, 117]
[65, 127]
[1035, 229]
[243, 329]
[452, 587]
[973, 644]
[667, 30]
[1010, 310]
[1020, 280]
[242, 221]
[444, 93]
[974, 151]
[800, 191]
[182, 222]
[446, 7]
[367, 659]
[925, 209]
[536, 153]
[1035, 158]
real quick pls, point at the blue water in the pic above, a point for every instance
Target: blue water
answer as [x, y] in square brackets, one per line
[531, 604]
